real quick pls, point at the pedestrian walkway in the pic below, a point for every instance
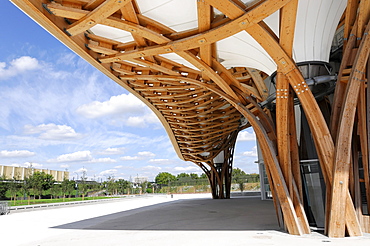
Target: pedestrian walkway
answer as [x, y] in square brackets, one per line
[159, 220]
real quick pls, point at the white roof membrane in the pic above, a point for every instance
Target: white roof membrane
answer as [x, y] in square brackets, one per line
[179, 15]
[315, 29]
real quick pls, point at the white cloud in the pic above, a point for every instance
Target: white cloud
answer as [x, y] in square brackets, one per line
[161, 161]
[116, 105]
[124, 109]
[112, 151]
[108, 172]
[151, 168]
[246, 136]
[136, 121]
[152, 118]
[187, 169]
[103, 160]
[74, 157]
[146, 154]
[18, 66]
[81, 156]
[120, 166]
[144, 120]
[52, 132]
[129, 158]
[67, 59]
[81, 170]
[140, 156]
[28, 164]
[252, 153]
[16, 153]
[64, 166]
[34, 165]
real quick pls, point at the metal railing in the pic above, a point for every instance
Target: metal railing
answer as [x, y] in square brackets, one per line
[64, 204]
[4, 207]
[58, 204]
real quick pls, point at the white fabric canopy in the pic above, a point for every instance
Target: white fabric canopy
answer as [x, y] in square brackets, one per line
[315, 29]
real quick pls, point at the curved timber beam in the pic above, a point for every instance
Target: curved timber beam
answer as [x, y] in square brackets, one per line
[344, 139]
[78, 14]
[100, 13]
[209, 37]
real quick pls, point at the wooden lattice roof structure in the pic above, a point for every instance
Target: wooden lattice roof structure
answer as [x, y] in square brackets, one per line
[201, 66]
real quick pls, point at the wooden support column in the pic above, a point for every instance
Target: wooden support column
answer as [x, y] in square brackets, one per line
[350, 17]
[282, 128]
[367, 165]
[223, 169]
[287, 26]
[277, 206]
[294, 151]
[228, 165]
[340, 88]
[343, 143]
[288, 15]
[363, 135]
[318, 126]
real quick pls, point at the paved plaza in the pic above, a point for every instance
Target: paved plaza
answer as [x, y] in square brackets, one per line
[158, 220]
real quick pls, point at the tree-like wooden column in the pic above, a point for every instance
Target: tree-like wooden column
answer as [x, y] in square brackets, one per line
[285, 115]
[220, 171]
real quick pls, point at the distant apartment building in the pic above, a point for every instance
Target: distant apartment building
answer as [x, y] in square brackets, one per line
[20, 173]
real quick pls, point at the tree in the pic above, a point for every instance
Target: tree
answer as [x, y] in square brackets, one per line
[122, 185]
[164, 178]
[194, 176]
[26, 189]
[83, 186]
[143, 186]
[3, 188]
[55, 190]
[67, 187]
[71, 188]
[237, 172]
[40, 181]
[239, 177]
[203, 176]
[149, 187]
[111, 186]
[13, 188]
[183, 175]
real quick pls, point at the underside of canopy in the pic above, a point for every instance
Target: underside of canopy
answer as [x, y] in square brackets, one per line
[202, 67]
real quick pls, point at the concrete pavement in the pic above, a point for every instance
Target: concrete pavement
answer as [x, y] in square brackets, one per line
[158, 220]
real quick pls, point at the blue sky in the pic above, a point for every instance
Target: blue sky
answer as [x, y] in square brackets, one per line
[58, 112]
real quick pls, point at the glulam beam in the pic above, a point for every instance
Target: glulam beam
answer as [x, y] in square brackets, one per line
[96, 16]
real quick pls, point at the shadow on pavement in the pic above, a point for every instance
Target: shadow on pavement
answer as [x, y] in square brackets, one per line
[191, 214]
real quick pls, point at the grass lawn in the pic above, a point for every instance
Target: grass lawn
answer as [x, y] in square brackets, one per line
[40, 201]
